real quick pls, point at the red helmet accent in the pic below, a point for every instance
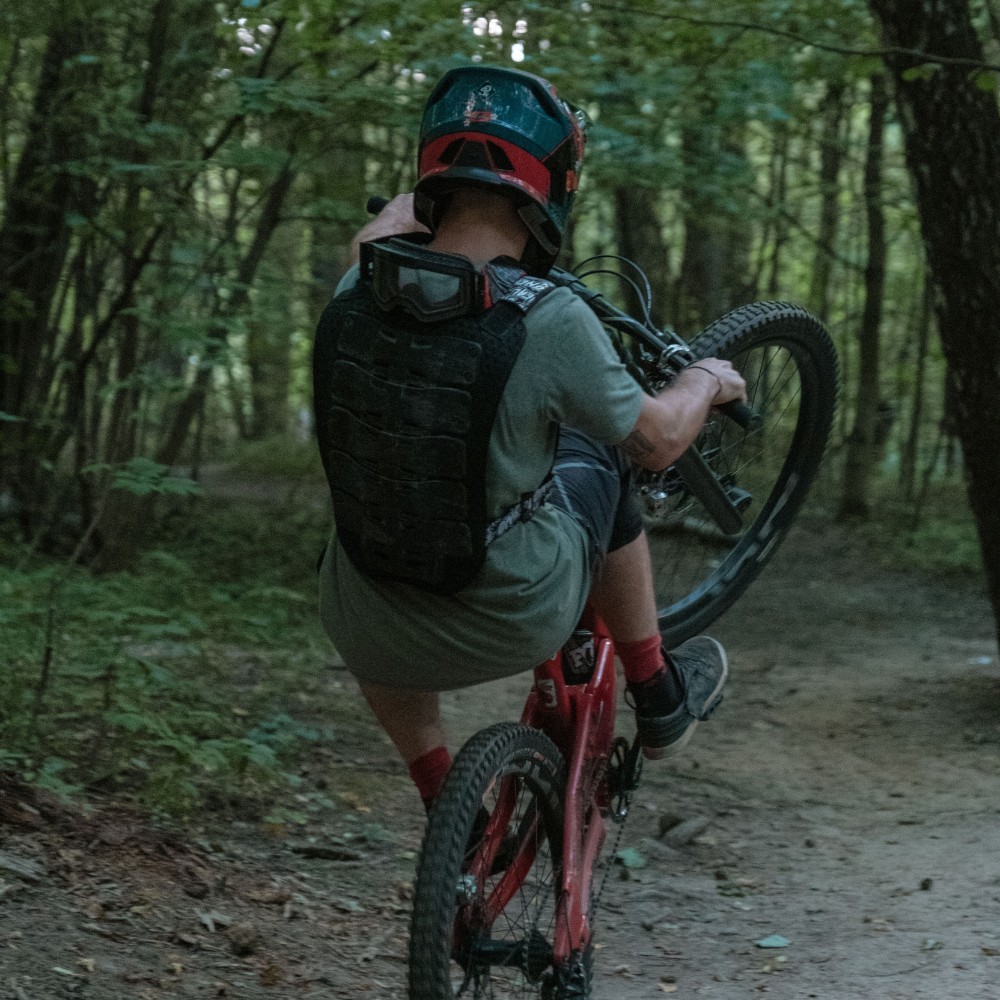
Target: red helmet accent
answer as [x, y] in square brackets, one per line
[486, 125]
[515, 166]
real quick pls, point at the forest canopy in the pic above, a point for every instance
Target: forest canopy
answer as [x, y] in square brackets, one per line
[180, 181]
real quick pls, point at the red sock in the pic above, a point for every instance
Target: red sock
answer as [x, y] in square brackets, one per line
[428, 772]
[642, 659]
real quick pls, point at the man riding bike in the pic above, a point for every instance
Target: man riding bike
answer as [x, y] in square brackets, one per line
[477, 429]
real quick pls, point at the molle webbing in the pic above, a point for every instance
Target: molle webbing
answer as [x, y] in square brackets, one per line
[405, 410]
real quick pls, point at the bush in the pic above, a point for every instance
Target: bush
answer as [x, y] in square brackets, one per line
[175, 681]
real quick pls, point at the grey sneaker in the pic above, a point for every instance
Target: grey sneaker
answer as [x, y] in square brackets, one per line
[703, 668]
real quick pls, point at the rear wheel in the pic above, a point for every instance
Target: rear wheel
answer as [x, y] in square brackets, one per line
[790, 366]
[484, 905]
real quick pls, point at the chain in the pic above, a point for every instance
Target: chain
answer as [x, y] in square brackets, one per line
[620, 804]
[596, 900]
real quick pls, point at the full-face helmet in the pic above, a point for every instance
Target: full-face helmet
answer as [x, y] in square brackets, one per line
[508, 129]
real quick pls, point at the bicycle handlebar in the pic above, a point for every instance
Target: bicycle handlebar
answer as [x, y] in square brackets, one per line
[676, 354]
[668, 350]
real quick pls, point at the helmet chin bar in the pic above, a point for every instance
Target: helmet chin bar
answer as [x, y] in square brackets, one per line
[537, 221]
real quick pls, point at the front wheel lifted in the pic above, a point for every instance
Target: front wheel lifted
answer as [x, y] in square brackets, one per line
[790, 367]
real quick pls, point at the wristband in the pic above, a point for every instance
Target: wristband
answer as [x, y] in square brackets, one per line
[708, 371]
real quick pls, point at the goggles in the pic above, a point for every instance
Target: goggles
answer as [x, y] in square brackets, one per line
[430, 286]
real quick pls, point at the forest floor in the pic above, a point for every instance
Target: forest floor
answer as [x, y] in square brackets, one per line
[846, 798]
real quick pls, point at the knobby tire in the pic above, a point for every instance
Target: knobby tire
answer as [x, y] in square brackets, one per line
[456, 947]
[790, 365]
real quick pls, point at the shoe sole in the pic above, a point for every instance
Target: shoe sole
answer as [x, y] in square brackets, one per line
[712, 702]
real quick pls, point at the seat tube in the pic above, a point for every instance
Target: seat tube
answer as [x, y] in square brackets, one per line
[548, 706]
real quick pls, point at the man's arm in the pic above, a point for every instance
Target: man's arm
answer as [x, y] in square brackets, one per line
[669, 423]
[394, 220]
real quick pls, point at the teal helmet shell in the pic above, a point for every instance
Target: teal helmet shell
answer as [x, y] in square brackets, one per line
[503, 128]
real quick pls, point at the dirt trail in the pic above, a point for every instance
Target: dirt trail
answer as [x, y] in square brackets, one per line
[849, 790]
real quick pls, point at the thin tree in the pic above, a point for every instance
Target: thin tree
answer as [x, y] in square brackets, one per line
[831, 111]
[862, 445]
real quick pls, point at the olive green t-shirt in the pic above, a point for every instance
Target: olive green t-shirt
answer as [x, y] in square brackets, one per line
[530, 592]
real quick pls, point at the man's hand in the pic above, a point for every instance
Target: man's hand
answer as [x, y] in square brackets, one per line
[669, 423]
[394, 220]
[729, 382]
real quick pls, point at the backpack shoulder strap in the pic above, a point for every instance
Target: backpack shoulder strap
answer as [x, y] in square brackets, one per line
[508, 282]
[526, 292]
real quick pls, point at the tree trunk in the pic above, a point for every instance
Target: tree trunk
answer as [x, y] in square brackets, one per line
[714, 268]
[121, 421]
[831, 157]
[269, 331]
[640, 239]
[951, 130]
[908, 459]
[34, 240]
[776, 199]
[862, 445]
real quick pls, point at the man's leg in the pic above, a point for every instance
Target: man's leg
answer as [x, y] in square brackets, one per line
[596, 486]
[627, 570]
[671, 693]
[412, 720]
[622, 594]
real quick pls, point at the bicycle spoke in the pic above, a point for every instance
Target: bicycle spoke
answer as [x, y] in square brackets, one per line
[790, 367]
[506, 956]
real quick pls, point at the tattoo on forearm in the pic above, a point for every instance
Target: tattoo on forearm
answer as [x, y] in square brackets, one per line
[637, 446]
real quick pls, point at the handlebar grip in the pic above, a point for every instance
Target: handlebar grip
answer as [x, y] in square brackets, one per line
[375, 204]
[747, 417]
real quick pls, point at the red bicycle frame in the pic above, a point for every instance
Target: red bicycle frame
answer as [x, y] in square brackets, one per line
[580, 719]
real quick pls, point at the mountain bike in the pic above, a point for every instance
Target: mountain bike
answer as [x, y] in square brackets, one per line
[508, 880]
[505, 884]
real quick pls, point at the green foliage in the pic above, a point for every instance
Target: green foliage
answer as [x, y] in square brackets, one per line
[277, 458]
[143, 476]
[944, 545]
[188, 677]
[937, 537]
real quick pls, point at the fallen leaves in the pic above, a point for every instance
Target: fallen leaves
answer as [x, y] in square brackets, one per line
[773, 941]
[273, 896]
[244, 938]
[114, 835]
[354, 801]
[23, 868]
[211, 918]
[272, 974]
[775, 964]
